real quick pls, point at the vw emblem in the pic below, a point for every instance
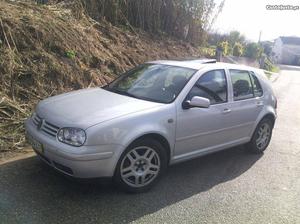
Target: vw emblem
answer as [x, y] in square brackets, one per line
[40, 124]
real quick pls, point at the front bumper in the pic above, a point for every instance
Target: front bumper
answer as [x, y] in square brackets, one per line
[80, 162]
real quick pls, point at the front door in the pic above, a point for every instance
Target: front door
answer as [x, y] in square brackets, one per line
[203, 129]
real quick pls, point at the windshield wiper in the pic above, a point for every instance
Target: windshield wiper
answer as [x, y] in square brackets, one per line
[122, 92]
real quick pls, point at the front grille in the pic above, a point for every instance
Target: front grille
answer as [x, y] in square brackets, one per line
[44, 125]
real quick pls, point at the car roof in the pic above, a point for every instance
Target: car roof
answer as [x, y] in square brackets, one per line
[202, 63]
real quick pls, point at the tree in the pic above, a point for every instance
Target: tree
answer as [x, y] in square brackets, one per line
[267, 46]
[215, 38]
[185, 19]
[253, 50]
[235, 37]
[238, 49]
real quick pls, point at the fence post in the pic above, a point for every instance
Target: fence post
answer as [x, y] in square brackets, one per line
[219, 55]
[262, 61]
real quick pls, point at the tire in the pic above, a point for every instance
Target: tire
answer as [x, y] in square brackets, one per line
[140, 166]
[261, 137]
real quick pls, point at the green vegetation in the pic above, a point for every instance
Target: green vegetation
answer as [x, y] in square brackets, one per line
[71, 54]
[224, 47]
[253, 50]
[236, 37]
[269, 66]
[208, 52]
[184, 19]
[238, 49]
[235, 44]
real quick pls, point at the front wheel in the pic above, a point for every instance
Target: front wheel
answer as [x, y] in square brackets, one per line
[261, 137]
[140, 166]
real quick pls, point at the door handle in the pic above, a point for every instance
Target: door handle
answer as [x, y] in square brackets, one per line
[226, 111]
[259, 103]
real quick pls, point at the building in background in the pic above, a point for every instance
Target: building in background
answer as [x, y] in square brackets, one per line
[286, 50]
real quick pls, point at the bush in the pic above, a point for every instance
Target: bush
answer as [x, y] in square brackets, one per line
[71, 54]
[238, 50]
[208, 52]
[269, 66]
[253, 50]
[224, 47]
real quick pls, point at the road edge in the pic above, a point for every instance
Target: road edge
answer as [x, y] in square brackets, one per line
[18, 157]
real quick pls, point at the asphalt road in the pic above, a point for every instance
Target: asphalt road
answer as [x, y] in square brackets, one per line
[227, 187]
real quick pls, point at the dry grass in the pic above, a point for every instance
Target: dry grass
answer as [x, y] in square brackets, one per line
[47, 50]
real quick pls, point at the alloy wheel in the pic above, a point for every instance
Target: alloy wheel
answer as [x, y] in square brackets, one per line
[140, 166]
[263, 136]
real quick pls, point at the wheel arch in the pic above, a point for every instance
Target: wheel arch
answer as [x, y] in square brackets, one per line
[151, 135]
[268, 115]
[271, 117]
[157, 137]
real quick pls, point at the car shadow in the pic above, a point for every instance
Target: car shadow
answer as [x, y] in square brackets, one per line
[33, 193]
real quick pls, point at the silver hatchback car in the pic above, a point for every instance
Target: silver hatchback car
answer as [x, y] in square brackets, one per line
[157, 114]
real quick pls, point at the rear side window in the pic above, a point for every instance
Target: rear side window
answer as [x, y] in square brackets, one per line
[242, 85]
[258, 92]
[211, 85]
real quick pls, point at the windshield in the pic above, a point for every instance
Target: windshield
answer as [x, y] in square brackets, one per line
[153, 82]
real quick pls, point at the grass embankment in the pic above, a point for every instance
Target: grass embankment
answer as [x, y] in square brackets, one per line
[270, 67]
[47, 50]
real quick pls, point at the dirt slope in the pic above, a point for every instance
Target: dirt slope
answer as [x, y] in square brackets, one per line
[46, 50]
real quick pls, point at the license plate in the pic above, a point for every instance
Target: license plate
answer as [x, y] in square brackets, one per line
[35, 144]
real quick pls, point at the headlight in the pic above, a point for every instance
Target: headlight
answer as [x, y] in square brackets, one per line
[72, 136]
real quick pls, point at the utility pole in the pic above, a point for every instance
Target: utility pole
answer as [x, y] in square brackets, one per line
[262, 57]
[259, 38]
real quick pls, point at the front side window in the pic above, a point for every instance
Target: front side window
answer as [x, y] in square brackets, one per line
[211, 85]
[153, 82]
[241, 83]
[258, 92]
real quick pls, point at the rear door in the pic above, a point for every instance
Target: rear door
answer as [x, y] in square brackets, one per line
[246, 102]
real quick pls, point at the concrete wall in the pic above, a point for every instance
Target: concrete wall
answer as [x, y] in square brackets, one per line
[290, 54]
[285, 53]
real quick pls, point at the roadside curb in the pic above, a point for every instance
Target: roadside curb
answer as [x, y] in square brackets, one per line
[18, 157]
[274, 77]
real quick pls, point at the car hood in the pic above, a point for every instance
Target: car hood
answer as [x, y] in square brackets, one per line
[87, 107]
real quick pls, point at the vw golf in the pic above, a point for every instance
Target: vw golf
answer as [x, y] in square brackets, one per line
[157, 114]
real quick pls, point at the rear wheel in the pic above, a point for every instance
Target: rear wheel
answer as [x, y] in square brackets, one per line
[141, 165]
[261, 137]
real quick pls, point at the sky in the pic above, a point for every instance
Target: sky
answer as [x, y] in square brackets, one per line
[251, 16]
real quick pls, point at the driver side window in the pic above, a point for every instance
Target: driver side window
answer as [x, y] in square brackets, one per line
[211, 85]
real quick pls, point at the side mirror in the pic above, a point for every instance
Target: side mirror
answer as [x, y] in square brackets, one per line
[196, 101]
